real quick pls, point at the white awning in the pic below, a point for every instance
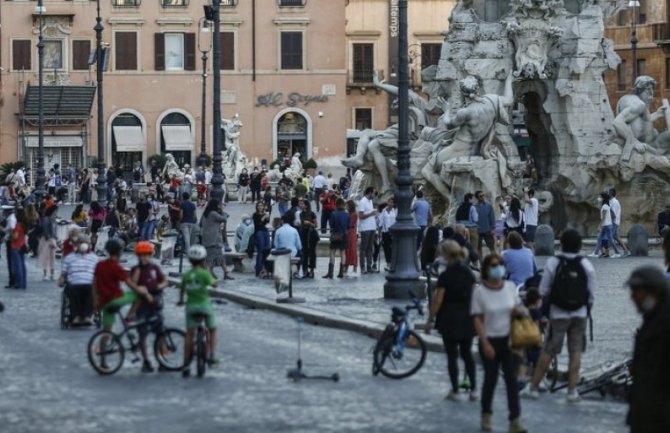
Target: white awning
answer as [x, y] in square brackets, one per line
[56, 141]
[129, 139]
[177, 137]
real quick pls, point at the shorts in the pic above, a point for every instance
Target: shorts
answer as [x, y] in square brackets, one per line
[488, 239]
[95, 226]
[192, 322]
[558, 328]
[530, 233]
[109, 310]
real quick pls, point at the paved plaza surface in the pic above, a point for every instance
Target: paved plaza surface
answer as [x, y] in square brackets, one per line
[46, 383]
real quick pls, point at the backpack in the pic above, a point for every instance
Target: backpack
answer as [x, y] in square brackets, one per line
[463, 212]
[569, 290]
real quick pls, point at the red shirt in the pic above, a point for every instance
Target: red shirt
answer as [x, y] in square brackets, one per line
[67, 248]
[108, 278]
[150, 277]
[20, 234]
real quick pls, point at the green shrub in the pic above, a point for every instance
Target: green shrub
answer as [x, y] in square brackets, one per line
[160, 161]
[7, 167]
[311, 164]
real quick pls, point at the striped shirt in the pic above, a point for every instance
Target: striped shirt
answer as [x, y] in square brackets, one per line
[78, 268]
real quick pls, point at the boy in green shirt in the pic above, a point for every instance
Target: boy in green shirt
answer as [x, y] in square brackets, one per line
[196, 284]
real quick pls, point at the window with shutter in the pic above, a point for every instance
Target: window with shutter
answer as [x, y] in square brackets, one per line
[291, 50]
[125, 51]
[189, 51]
[21, 54]
[228, 51]
[363, 62]
[159, 51]
[80, 52]
[430, 55]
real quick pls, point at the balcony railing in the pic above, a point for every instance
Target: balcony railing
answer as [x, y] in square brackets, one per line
[174, 3]
[362, 79]
[291, 3]
[660, 32]
[228, 3]
[126, 3]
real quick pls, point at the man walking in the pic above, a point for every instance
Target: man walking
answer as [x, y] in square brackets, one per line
[486, 223]
[531, 212]
[568, 282]
[367, 226]
[319, 185]
[422, 216]
[144, 209]
[188, 221]
[650, 393]
[388, 219]
[615, 207]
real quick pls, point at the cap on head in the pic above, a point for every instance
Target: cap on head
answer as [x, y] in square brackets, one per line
[649, 278]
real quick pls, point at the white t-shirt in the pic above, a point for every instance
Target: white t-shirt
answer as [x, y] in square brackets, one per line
[616, 207]
[608, 215]
[530, 212]
[320, 182]
[366, 224]
[496, 306]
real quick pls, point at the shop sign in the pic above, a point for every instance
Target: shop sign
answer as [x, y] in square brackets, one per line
[293, 99]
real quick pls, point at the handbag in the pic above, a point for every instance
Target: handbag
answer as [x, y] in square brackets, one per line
[336, 237]
[525, 333]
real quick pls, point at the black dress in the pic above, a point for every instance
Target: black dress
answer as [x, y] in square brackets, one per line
[453, 320]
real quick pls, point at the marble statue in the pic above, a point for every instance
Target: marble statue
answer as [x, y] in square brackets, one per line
[274, 174]
[234, 160]
[296, 165]
[171, 168]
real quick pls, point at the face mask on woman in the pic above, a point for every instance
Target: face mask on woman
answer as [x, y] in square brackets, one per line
[497, 273]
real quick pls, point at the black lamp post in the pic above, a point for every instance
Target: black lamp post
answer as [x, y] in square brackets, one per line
[212, 14]
[40, 179]
[633, 37]
[204, 45]
[100, 57]
[403, 279]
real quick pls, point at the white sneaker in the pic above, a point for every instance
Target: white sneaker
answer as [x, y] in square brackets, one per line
[474, 396]
[453, 396]
[353, 274]
[616, 256]
[573, 397]
[529, 392]
[593, 255]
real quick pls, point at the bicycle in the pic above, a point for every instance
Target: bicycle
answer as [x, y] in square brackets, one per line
[202, 344]
[390, 357]
[610, 378]
[106, 345]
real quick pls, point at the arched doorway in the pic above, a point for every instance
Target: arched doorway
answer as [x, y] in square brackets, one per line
[292, 133]
[176, 137]
[128, 141]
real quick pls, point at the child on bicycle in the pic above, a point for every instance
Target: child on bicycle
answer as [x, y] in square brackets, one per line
[108, 296]
[195, 285]
[147, 274]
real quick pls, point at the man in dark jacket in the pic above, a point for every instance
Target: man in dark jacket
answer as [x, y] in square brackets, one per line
[650, 395]
[663, 221]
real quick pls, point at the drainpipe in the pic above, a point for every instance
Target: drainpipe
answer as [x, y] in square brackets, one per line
[253, 40]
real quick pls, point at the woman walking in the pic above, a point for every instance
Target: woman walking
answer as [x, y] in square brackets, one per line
[212, 236]
[494, 302]
[352, 239]
[309, 238]
[18, 243]
[97, 214]
[339, 225]
[46, 250]
[605, 237]
[451, 310]
[261, 237]
[514, 218]
[32, 228]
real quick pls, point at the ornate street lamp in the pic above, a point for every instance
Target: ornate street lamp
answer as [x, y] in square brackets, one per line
[403, 279]
[40, 179]
[633, 37]
[204, 46]
[212, 14]
[100, 64]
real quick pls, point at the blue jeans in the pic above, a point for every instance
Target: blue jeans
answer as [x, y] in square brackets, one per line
[605, 240]
[147, 229]
[18, 269]
[262, 244]
[283, 208]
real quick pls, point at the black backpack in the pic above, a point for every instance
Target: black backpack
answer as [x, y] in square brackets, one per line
[570, 290]
[463, 212]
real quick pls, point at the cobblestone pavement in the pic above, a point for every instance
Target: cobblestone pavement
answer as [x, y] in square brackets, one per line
[47, 385]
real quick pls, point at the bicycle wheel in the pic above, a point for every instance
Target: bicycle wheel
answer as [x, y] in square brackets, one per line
[400, 364]
[64, 310]
[169, 349]
[553, 376]
[105, 352]
[384, 340]
[201, 352]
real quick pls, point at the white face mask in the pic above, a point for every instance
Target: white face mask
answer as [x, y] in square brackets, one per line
[649, 304]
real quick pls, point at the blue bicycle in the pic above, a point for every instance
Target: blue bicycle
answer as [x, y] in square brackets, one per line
[390, 356]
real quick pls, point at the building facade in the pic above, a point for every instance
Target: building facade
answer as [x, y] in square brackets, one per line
[651, 23]
[283, 73]
[372, 48]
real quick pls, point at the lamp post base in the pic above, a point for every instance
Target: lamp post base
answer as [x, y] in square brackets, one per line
[404, 289]
[403, 281]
